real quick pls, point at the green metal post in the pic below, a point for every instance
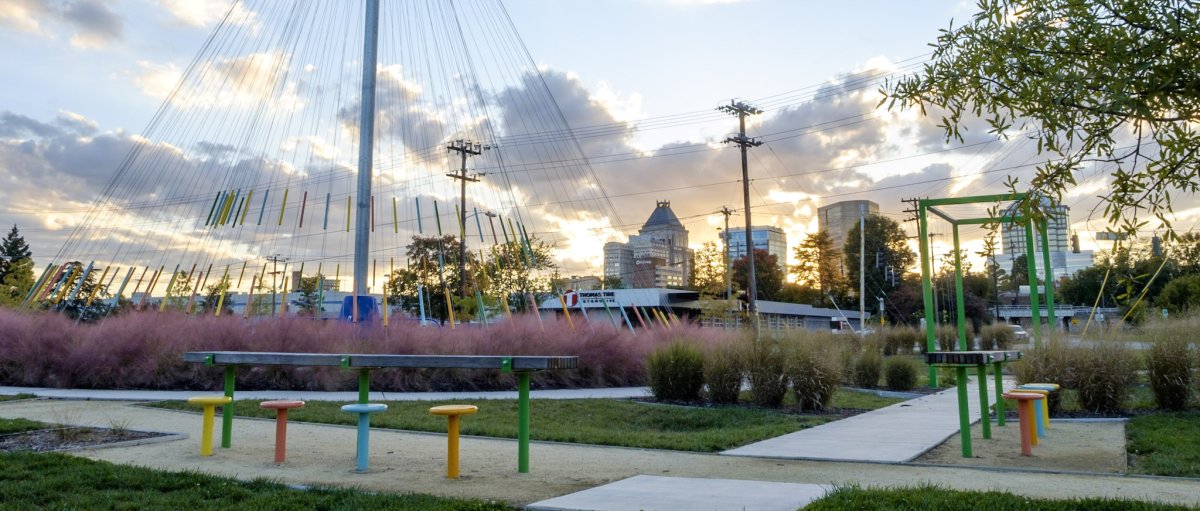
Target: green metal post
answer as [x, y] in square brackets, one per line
[958, 293]
[523, 422]
[1035, 308]
[964, 414]
[981, 369]
[999, 394]
[1048, 271]
[364, 385]
[227, 410]
[926, 288]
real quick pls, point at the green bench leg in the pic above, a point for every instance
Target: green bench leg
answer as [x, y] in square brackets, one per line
[227, 410]
[364, 385]
[964, 414]
[999, 394]
[984, 412]
[523, 422]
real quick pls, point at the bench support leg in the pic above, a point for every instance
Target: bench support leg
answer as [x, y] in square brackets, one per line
[964, 413]
[523, 422]
[227, 410]
[999, 394]
[984, 410]
[364, 385]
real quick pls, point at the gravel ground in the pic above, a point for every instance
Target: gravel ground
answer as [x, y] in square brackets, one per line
[415, 462]
[1069, 446]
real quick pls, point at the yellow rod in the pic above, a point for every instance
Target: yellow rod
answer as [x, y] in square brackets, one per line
[449, 306]
[347, 214]
[283, 207]
[138, 286]
[152, 284]
[246, 210]
[163, 306]
[566, 312]
[243, 274]
[250, 297]
[96, 288]
[221, 298]
[395, 218]
[62, 291]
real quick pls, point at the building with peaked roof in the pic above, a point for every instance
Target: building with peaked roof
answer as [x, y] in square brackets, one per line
[657, 256]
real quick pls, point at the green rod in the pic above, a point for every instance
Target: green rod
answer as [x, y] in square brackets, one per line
[964, 418]
[227, 410]
[999, 394]
[523, 422]
[958, 293]
[983, 401]
[1035, 307]
[364, 385]
[927, 289]
[1048, 278]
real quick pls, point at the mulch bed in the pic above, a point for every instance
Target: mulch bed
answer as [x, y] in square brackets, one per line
[61, 439]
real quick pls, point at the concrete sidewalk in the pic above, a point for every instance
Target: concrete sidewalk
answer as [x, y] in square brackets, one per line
[895, 434]
[348, 396]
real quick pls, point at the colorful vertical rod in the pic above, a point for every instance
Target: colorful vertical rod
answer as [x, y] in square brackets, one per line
[395, 218]
[348, 215]
[303, 207]
[250, 297]
[212, 209]
[243, 274]
[121, 289]
[171, 283]
[82, 278]
[222, 284]
[65, 283]
[263, 209]
[283, 206]
[38, 283]
[96, 288]
[328, 196]
[246, 210]
[420, 225]
[478, 225]
[372, 213]
[233, 220]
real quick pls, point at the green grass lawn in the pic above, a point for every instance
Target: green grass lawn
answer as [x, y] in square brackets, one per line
[58, 481]
[9, 426]
[941, 499]
[1166, 444]
[15, 397]
[617, 422]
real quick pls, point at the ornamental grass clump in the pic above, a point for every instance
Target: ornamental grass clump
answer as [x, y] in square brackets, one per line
[1052, 362]
[676, 372]
[1169, 365]
[900, 373]
[1104, 373]
[947, 337]
[723, 371]
[996, 336]
[901, 340]
[766, 370]
[867, 369]
[813, 368]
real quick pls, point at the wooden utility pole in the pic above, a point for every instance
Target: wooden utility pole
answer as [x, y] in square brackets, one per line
[464, 148]
[728, 270]
[741, 110]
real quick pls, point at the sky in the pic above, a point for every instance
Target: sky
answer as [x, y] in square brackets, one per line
[86, 78]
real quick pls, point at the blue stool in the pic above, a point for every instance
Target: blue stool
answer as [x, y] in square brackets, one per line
[364, 411]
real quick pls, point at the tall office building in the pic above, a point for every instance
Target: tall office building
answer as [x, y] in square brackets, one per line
[657, 256]
[1065, 257]
[769, 238]
[838, 218]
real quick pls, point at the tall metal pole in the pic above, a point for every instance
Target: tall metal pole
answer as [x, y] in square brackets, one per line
[728, 274]
[862, 269]
[741, 110]
[366, 140]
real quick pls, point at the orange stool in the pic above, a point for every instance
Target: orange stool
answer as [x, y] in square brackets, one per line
[453, 412]
[1026, 416]
[281, 408]
[206, 429]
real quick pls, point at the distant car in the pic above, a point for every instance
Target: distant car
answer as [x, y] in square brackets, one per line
[1019, 333]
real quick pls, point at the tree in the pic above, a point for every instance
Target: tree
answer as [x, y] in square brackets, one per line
[708, 270]
[767, 272]
[886, 248]
[78, 295]
[180, 292]
[308, 303]
[13, 249]
[1094, 80]
[212, 296]
[1181, 294]
[819, 266]
[1185, 251]
[611, 283]
[16, 283]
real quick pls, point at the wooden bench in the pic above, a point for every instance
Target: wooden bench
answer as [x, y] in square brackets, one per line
[522, 366]
[980, 360]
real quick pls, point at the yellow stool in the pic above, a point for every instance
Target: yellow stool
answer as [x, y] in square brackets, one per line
[453, 412]
[209, 403]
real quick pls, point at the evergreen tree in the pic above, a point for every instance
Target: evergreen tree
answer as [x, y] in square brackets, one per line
[12, 249]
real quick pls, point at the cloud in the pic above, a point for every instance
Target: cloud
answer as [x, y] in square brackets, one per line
[204, 13]
[92, 24]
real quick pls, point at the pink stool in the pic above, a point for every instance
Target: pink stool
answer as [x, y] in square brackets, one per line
[1026, 416]
[281, 412]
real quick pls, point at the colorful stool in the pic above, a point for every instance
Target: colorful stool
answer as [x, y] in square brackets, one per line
[206, 430]
[1026, 417]
[364, 411]
[1041, 409]
[1049, 387]
[452, 412]
[281, 408]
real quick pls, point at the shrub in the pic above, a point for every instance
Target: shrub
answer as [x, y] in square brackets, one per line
[1050, 363]
[947, 337]
[996, 336]
[1169, 364]
[900, 373]
[723, 371]
[1104, 373]
[676, 372]
[766, 372]
[814, 369]
[901, 340]
[867, 369]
